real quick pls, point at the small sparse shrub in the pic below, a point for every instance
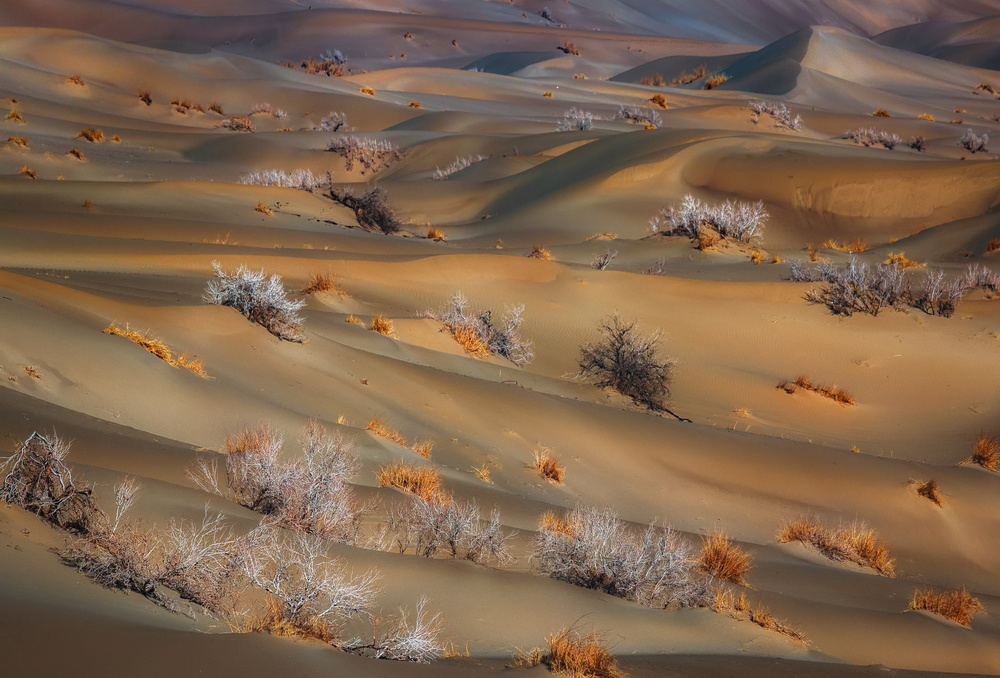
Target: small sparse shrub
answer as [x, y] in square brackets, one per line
[76, 80]
[973, 143]
[383, 430]
[956, 121]
[458, 165]
[593, 549]
[724, 560]
[881, 113]
[835, 394]
[569, 48]
[762, 617]
[713, 81]
[548, 466]
[422, 481]
[371, 210]
[937, 296]
[869, 136]
[854, 246]
[262, 300]
[957, 605]
[986, 452]
[372, 154]
[986, 87]
[858, 288]
[856, 543]
[321, 282]
[368, 90]
[382, 325]
[436, 234]
[267, 109]
[539, 252]
[992, 246]
[145, 97]
[977, 276]
[780, 113]
[18, 141]
[918, 143]
[684, 78]
[302, 179]
[655, 80]
[330, 63]
[239, 123]
[216, 108]
[423, 448]
[929, 491]
[659, 100]
[742, 221]
[415, 104]
[643, 116]
[15, 117]
[547, 95]
[446, 525]
[355, 320]
[75, 153]
[28, 172]
[477, 333]
[627, 362]
[601, 261]
[157, 348]
[575, 120]
[926, 116]
[573, 654]
[263, 209]
[92, 135]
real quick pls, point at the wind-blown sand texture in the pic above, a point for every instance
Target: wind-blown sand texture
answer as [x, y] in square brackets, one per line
[126, 231]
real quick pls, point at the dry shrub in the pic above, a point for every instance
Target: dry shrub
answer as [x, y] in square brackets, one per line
[957, 605]
[724, 560]
[929, 490]
[332, 64]
[239, 123]
[468, 338]
[262, 300]
[382, 325]
[273, 618]
[368, 90]
[157, 348]
[602, 236]
[597, 551]
[857, 245]
[379, 428]
[539, 252]
[716, 80]
[926, 116]
[354, 320]
[985, 452]
[986, 87]
[856, 543]
[655, 80]
[436, 234]
[75, 153]
[371, 210]
[547, 95]
[991, 246]
[569, 48]
[321, 282]
[193, 364]
[483, 473]
[423, 448]
[216, 108]
[901, 261]
[685, 78]
[444, 524]
[756, 256]
[881, 113]
[478, 334]
[18, 141]
[145, 97]
[422, 481]
[414, 104]
[76, 80]
[628, 363]
[15, 117]
[92, 135]
[28, 172]
[659, 100]
[743, 221]
[572, 654]
[762, 617]
[955, 121]
[550, 522]
[832, 392]
[869, 136]
[263, 209]
[548, 466]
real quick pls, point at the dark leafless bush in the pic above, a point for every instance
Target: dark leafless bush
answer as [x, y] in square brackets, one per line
[334, 121]
[595, 550]
[859, 288]
[602, 261]
[312, 495]
[643, 116]
[546, 14]
[780, 113]
[869, 136]
[576, 120]
[937, 296]
[370, 209]
[918, 143]
[627, 362]
[742, 221]
[973, 143]
[262, 300]
[450, 526]
[372, 154]
[503, 339]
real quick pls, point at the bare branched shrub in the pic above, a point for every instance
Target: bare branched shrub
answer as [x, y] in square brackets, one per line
[857, 287]
[597, 551]
[973, 143]
[312, 495]
[575, 120]
[371, 209]
[458, 165]
[329, 63]
[937, 296]
[602, 261]
[267, 109]
[417, 641]
[743, 221]
[334, 121]
[869, 136]
[643, 116]
[302, 179]
[977, 276]
[628, 363]
[446, 525]
[262, 300]
[239, 123]
[476, 331]
[780, 113]
[372, 154]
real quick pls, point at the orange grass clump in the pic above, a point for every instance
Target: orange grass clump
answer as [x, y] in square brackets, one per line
[467, 337]
[857, 245]
[263, 209]
[145, 97]
[548, 466]
[379, 428]
[832, 392]
[572, 654]
[550, 522]
[382, 325]
[991, 246]
[18, 141]
[92, 135]
[274, 619]
[929, 490]
[901, 261]
[986, 453]
[926, 116]
[28, 172]
[715, 80]
[957, 605]
[881, 113]
[76, 153]
[216, 108]
[355, 320]
[539, 252]
[368, 90]
[157, 348]
[659, 100]
[76, 80]
[547, 95]
[414, 104]
[762, 617]
[724, 560]
[321, 282]
[483, 473]
[602, 236]
[15, 118]
[856, 543]
[423, 448]
[436, 234]
[423, 481]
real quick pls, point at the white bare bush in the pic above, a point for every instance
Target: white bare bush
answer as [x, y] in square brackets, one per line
[372, 154]
[780, 113]
[596, 550]
[643, 116]
[974, 143]
[938, 296]
[602, 261]
[743, 221]
[261, 299]
[302, 179]
[982, 277]
[503, 339]
[334, 121]
[575, 120]
[457, 166]
[416, 641]
[267, 109]
[869, 136]
[859, 288]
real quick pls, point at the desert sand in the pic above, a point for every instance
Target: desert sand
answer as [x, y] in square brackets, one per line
[126, 232]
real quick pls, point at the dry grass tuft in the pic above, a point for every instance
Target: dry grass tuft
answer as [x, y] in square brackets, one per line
[724, 560]
[193, 364]
[263, 209]
[834, 393]
[380, 428]
[117, 139]
[92, 135]
[423, 481]
[484, 473]
[602, 236]
[368, 90]
[76, 153]
[856, 543]
[539, 252]
[659, 100]
[991, 246]
[547, 95]
[157, 348]
[216, 108]
[15, 118]
[18, 141]
[714, 81]
[274, 618]
[957, 605]
[414, 104]
[436, 234]
[321, 282]
[145, 97]
[756, 256]
[986, 452]
[468, 338]
[28, 172]
[762, 617]
[32, 372]
[685, 78]
[354, 320]
[556, 524]
[901, 261]
[857, 245]
[881, 113]
[572, 654]
[423, 448]
[76, 80]
[929, 490]
[382, 325]
[655, 80]
[548, 466]
[926, 116]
